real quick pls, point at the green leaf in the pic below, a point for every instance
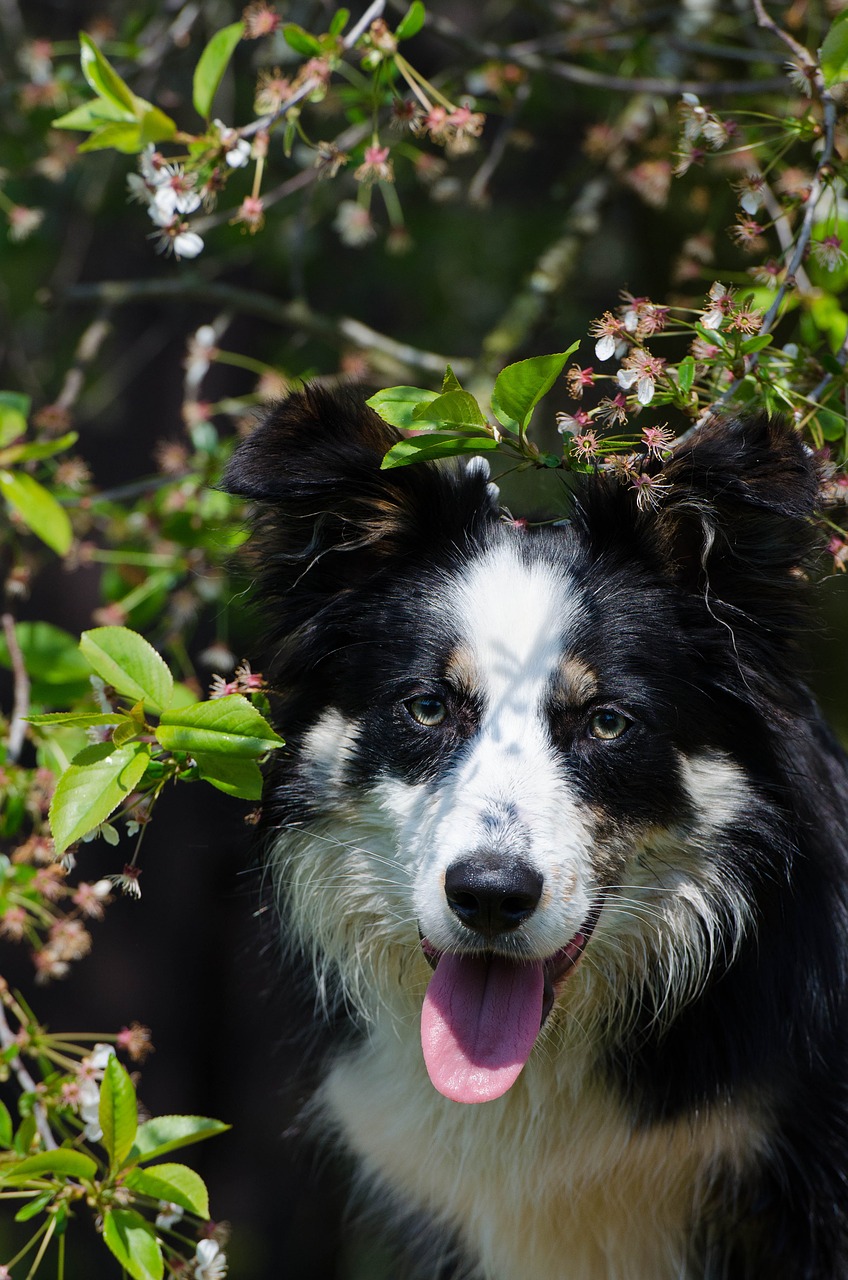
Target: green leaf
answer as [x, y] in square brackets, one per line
[38, 509]
[154, 125]
[89, 116]
[434, 445]
[118, 1113]
[38, 449]
[34, 1207]
[103, 78]
[162, 1134]
[397, 405]
[91, 788]
[13, 424]
[453, 408]
[339, 22]
[63, 1162]
[756, 344]
[125, 660]
[228, 726]
[412, 21]
[133, 1242]
[175, 1183]
[211, 67]
[125, 138]
[6, 1126]
[519, 387]
[82, 719]
[235, 777]
[686, 374]
[832, 424]
[301, 41]
[834, 51]
[16, 400]
[450, 382]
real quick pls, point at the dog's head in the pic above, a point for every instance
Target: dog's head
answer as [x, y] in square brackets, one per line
[513, 745]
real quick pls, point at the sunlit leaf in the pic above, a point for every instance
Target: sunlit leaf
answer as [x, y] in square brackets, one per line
[175, 1183]
[834, 51]
[133, 1242]
[519, 387]
[129, 663]
[229, 726]
[102, 76]
[396, 405]
[99, 778]
[162, 1134]
[63, 1162]
[434, 445]
[118, 1113]
[412, 21]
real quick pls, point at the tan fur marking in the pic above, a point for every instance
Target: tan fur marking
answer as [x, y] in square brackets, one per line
[578, 682]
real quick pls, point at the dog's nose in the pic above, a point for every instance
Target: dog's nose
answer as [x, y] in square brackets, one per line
[492, 896]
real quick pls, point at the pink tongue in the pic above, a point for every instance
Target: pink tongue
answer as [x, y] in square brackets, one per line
[480, 1019]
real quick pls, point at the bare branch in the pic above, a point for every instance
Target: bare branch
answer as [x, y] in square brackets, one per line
[20, 704]
[296, 315]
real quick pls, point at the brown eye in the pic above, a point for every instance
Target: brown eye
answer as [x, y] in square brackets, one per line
[428, 711]
[608, 725]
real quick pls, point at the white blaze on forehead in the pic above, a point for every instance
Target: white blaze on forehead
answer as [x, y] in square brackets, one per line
[514, 617]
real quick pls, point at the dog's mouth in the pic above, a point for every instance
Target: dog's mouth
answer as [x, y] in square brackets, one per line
[483, 1012]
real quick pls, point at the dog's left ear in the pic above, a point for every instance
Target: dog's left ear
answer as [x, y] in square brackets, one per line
[736, 502]
[329, 517]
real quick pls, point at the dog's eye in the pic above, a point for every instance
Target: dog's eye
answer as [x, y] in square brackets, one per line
[427, 710]
[608, 725]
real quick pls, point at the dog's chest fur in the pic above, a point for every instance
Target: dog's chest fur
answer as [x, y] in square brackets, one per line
[554, 1179]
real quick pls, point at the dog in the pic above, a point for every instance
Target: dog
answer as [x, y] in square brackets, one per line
[560, 825]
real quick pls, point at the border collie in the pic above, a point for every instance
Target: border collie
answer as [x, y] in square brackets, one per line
[561, 826]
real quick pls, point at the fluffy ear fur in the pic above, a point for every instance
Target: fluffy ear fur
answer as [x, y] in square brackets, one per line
[730, 520]
[329, 518]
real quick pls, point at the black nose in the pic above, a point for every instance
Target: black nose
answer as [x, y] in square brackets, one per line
[492, 896]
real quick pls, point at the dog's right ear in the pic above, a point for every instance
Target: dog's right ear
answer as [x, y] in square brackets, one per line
[329, 516]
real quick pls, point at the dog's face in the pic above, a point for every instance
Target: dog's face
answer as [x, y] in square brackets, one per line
[520, 754]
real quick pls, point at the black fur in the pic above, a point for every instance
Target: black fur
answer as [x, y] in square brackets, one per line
[699, 604]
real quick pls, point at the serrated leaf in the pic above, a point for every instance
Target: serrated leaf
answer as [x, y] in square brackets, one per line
[176, 1183]
[133, 1242]
[834, 51]
[102, 76]
[211, 66]
[99, 778]
[301, 41]
[162, 1134]
[396, 405]
[38, 509]
[432, 446]
[63, 1162]
[228, 726]
[235, 777]
[129, 663]
[450, 382]
[412, 21]
[118, 1113]
[452, 408]
[519, 387]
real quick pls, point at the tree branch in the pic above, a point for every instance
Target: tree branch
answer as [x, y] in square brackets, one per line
[296, 314]
[25, 1080]
[20, 705]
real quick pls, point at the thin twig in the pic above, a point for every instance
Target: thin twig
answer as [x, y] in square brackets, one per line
[25, 1080]
[296, 314]
[768, 24]
[20, 705]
